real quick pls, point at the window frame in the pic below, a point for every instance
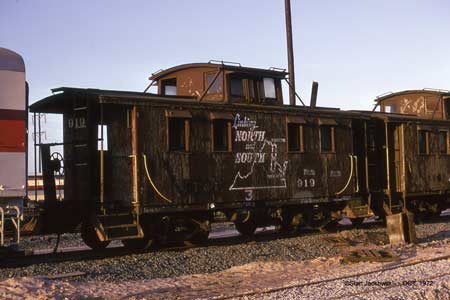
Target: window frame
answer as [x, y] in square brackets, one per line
[332, 137]
[243, 84]
[164, 84]
[274, 87]
[447, 144]
[435, 107]
[186, 116]
[228, 118]
[219, 80]
[390, 108]
[299, 122]
[427, 141]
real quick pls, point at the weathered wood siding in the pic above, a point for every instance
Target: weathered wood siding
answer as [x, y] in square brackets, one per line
[425, 173]
[257, 170]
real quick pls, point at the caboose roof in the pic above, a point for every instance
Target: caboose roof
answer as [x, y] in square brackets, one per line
[57, 102]
[408, 92]
[272, 72]
[63, 97]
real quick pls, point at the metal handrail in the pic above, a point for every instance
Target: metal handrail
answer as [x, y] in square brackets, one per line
[277, 69]
[159, 71]
[15, 219]
[384, 94]
[224, 62]
[436, 90]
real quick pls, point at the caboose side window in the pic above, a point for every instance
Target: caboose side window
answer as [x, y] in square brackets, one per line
[178, 130]
[423, 142]
[327, 138]
[269, 88]
[217, 86]
[295, 137]
[177, 134]
[390, 108]
[443, 142]
[294, 133]
[221, 131]
[221, 135]
[236, 88]
[169, 87]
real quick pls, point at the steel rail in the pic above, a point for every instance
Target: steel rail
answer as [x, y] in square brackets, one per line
[386, 287]
[271, 290]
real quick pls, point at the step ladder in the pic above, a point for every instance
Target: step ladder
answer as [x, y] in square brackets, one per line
[118, 226]
[12, 214]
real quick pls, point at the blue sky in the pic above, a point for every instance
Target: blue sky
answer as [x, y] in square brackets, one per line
[355, 49]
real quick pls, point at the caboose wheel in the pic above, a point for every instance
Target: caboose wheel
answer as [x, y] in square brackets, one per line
[91, 239]
[291, 222]
[247, 228]
[318, 217]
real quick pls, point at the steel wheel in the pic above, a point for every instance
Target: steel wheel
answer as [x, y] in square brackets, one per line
[291, 222]
[246, 229]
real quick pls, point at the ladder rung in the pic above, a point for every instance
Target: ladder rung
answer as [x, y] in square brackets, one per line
[120, 226]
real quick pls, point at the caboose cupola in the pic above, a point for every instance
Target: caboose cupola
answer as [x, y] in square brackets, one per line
[427, 103]
[223, 83]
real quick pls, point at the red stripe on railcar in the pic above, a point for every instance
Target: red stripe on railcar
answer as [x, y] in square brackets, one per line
[12, 135]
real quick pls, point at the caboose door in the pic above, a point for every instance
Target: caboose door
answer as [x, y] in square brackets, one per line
[396, 168]
[376, 156]
[79, 152]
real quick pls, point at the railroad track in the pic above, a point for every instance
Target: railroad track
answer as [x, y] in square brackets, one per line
[220, 238]
[80, 265]
[423, 281]
[227, 237]
[260, 293]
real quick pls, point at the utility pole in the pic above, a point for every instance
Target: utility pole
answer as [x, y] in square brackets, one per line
[290, 50]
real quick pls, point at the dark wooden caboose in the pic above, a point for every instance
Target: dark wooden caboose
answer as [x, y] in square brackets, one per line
[419, 155]
[215, 138]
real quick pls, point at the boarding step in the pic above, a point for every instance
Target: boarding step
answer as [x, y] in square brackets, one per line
[119, 226]
[356, 210]
[397, 208]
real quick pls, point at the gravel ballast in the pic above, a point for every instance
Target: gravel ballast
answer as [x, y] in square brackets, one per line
[222, 254]
[205, 259]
